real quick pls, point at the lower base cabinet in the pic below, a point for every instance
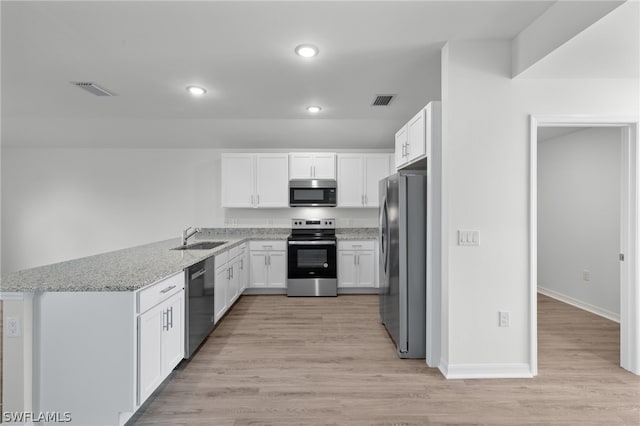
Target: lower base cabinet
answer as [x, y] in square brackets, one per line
[160, 340]
[357, 263]
[268, 264]
[231, 278]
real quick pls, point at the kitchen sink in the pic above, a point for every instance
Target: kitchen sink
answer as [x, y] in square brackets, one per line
[205, 245]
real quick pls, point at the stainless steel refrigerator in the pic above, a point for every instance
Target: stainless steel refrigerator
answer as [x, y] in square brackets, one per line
[403, 224]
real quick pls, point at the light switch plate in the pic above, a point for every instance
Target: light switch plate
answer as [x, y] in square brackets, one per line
[468, 238]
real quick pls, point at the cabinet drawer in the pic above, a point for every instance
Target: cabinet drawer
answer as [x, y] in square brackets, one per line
[236, 251]
[268, 245]
[356, 245]
[221, 260]
[160, 291]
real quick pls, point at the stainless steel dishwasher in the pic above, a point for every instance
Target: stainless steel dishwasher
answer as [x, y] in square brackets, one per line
[200, 307]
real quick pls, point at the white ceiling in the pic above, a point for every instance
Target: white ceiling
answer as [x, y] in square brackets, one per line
[610, 48]
[147, 52]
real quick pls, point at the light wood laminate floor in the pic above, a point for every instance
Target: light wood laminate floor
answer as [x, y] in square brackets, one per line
[327, 361]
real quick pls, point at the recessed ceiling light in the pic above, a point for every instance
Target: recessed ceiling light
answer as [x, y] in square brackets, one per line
[196, 90]
[314, 109]
[306, 50]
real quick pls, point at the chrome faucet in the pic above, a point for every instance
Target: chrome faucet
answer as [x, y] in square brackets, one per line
[186, 234]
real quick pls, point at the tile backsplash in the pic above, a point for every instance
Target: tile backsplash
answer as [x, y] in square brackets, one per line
[281, 218]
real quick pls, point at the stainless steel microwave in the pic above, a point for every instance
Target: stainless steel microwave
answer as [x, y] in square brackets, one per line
[312, 193]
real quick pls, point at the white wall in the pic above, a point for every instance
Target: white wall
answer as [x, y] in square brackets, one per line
[60, 204]
[579, 218]
[486, 166]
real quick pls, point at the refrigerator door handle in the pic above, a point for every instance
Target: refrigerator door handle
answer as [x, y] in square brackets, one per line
[384, 237]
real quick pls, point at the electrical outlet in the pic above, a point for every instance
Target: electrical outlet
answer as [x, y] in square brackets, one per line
[586, 275]
[13, 327]
[504, 319]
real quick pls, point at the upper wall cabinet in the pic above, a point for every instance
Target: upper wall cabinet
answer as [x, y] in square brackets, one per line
[254, 180]
[414, 139]
[312, 165]
[358, 178]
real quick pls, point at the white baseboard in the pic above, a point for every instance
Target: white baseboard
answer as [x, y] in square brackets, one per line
[444, 367]
[485, 371]
[580, 304]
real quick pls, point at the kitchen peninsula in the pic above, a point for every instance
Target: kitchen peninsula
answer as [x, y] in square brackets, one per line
[95, 355]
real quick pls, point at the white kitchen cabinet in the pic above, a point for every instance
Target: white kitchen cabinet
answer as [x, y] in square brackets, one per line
[173, 336]
[366, 268]
[401, 144]
[358, 178]
[238, 180]
[312, 165]
[417, 142]
[347, 268]
[233, 283]
[376, 168]
[230, 280]
[324, 166]
[272, 180]
[350, 178]
[357, 264]
[221, 288]
[415, 139]
[254, 180]
[258, 269]
[149, 348]
[160, 341]
[268, 264]
[277, 263]
[244, 269]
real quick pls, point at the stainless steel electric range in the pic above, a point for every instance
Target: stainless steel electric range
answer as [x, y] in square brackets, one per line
[312, 258]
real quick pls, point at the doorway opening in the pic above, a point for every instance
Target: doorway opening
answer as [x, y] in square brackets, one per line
[583, 230]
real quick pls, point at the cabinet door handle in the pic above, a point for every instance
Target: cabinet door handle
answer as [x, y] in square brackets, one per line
[314, 171]
[232, 272]
[366, 199]
[241, 264]
[407, 149]
[357, 260]
[165, 319]
[173, 286]
[170, 315]
[252, 200]
[265, 260]
[257, 199]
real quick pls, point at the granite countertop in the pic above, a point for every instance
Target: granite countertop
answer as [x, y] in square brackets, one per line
[357, 234]
[136, 267]
[122, 270]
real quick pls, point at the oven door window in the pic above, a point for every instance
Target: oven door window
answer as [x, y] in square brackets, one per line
[312, 261]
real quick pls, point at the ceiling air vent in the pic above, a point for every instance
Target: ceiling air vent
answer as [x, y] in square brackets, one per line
[382, 100]
[93, 88]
